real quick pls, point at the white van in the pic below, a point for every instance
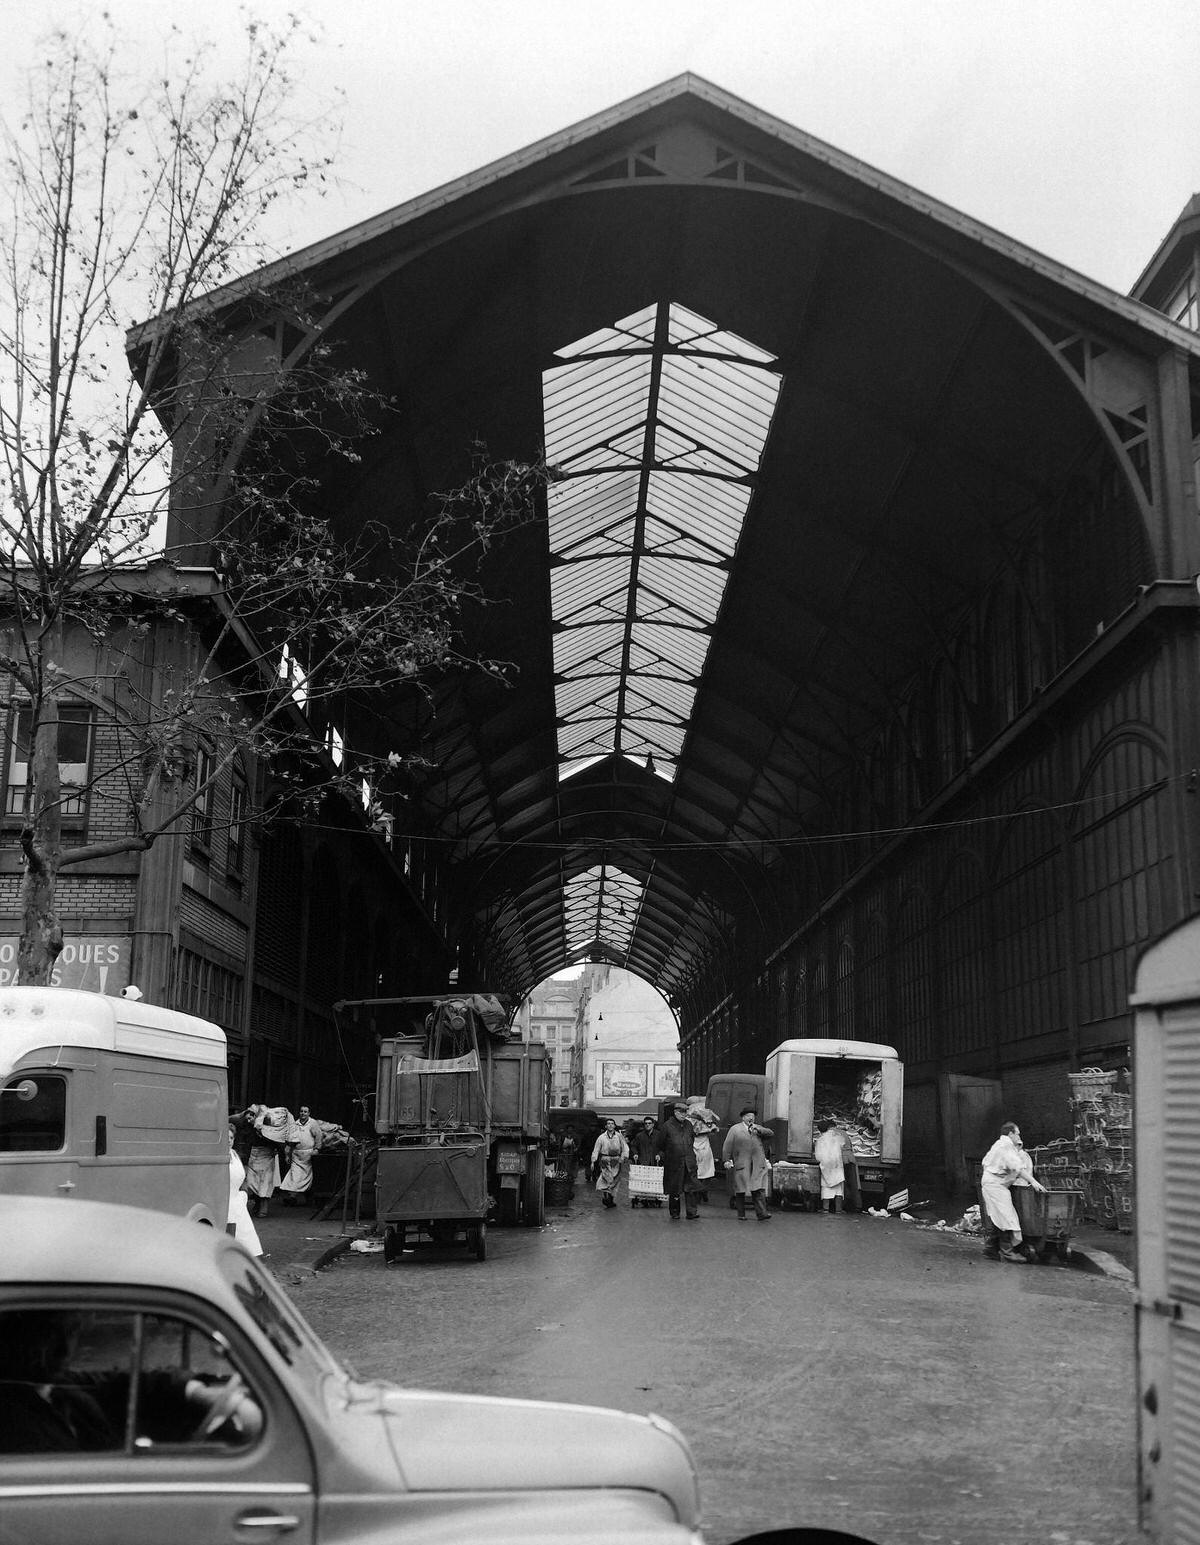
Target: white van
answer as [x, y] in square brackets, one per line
[112, 1100]
[855, 1079]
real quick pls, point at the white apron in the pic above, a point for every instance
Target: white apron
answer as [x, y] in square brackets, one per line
[998, 1202]
[1003, 1165]
[300, 1171]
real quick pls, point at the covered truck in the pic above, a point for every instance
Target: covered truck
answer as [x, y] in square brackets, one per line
[461, 1114]
[858, 1083]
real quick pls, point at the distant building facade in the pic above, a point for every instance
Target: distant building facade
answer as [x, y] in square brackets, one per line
[549, 1015]
[626, 1053]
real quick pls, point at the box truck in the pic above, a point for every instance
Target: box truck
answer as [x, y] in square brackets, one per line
[861, 1085]
[112, 1100]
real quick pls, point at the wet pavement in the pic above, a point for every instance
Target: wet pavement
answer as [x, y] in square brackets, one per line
[868, 1375]
[296, 1243]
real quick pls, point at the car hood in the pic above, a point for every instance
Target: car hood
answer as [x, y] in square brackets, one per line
[446, 1442]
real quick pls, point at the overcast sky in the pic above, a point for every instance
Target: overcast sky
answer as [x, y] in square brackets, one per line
[1071, 125]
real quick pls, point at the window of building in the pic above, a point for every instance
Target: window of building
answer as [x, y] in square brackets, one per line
[202, 810]
[208, 990]
[294, 676]
[74, 760]
[1184, 305]
[235, 855]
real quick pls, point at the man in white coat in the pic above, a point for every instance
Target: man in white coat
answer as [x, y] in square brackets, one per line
[746, 1157]
[1005, 1164]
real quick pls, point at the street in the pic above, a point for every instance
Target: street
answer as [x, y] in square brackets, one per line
[859, 1374]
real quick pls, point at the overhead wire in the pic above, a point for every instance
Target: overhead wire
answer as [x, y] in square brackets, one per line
[803, 839]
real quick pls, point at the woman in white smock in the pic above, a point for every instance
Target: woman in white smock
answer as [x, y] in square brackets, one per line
[827, 1150]
[239, 1212]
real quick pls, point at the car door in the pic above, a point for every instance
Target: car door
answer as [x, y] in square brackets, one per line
[126, 1422]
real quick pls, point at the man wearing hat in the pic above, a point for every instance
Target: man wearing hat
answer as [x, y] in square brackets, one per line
[746, 1157]
[676, 1147]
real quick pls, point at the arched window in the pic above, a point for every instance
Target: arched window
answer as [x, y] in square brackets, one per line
[843, 1008]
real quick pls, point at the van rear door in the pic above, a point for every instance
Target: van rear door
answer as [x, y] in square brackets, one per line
[801, 1095]
[891, 1111]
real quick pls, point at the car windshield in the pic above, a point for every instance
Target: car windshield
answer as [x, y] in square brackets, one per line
[288, 1337]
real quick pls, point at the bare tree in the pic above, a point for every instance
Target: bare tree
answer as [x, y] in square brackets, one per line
[130, 199]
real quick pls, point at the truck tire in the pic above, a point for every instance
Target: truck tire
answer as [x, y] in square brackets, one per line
[477, 1241]
[535, 1189]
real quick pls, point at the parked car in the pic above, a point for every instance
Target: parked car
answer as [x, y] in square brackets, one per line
[156, 1383]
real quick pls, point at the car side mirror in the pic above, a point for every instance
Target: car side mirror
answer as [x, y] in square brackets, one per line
[25, 1091]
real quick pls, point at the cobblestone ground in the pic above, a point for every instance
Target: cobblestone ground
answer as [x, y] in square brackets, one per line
[862, 1375]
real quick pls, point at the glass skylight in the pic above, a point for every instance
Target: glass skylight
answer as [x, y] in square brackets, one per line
[657, 425]
[601, 905]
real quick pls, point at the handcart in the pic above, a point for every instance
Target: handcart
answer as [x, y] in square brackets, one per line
[797, 1185]
[645, 1185]
[1046, 1218]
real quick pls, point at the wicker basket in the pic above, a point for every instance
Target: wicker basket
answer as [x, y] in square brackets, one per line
[557, 1191]
[1091, 1083]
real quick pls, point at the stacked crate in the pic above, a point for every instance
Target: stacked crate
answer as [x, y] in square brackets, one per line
[1104, 1147]
[1057, 1166]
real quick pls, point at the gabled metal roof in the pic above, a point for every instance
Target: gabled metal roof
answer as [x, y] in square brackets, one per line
[803, 417]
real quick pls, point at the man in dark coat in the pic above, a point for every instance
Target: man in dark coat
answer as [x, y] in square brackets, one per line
[677, 1151]
[643, 1142]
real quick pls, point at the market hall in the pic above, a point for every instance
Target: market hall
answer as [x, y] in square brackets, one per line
[851, 688]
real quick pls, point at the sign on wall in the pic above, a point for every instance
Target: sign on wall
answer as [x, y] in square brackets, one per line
[666, 1078]
[95, 962]
[624, 1080]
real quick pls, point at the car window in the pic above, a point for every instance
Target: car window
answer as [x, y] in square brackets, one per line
[33, 1113]
[119, 1381]
[289, 1340]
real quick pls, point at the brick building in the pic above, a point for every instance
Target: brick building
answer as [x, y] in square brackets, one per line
[257, 928]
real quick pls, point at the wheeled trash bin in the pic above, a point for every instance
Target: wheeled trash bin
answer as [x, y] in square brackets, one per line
[1046, 1218]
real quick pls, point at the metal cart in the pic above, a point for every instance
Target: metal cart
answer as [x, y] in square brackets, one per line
[1046, 1218]
[645, 1185]
[796, 1184]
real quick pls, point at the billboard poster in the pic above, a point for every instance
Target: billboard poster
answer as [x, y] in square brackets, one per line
[666, 1079]
[624, 1080]
[95, 962]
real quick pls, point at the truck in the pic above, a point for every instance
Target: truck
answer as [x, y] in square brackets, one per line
[113, 1100]
[727, 1095]
[861, 1084]
[461, 1116]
